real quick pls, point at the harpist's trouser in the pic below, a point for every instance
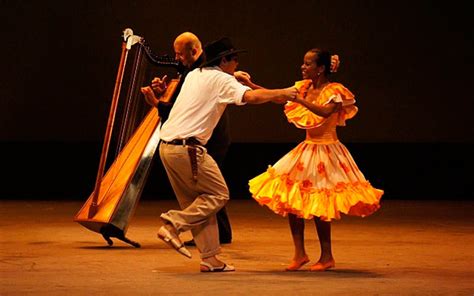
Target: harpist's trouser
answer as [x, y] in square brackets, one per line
[199, 198]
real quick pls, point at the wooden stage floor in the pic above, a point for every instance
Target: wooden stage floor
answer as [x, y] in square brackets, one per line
[406, 248]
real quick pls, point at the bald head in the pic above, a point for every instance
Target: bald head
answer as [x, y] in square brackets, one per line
[187, 48]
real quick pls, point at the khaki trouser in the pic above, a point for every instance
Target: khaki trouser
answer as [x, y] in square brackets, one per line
[199, 199]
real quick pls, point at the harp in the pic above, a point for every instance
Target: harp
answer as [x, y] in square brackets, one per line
[115, 197]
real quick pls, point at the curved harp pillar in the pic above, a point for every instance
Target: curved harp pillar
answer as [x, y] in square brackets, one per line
[112, 204]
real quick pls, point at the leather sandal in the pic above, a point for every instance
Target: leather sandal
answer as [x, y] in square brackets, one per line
[173, 241]
[206, 267]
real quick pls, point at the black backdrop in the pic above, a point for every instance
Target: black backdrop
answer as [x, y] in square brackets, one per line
[408, 62]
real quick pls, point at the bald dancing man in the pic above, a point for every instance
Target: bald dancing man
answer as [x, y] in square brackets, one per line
[189, 54]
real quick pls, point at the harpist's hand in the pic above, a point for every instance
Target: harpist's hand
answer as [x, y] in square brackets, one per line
[159, 85]
[149, 96]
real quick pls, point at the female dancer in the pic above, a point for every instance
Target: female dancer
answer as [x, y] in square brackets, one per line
[317, 179]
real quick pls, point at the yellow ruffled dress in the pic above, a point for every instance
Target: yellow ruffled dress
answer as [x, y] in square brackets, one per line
[319, 176]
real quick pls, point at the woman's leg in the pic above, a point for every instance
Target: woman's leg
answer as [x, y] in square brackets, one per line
[324, 234]
[297, 232]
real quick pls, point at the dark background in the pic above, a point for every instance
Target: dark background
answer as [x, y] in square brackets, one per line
[409, 63]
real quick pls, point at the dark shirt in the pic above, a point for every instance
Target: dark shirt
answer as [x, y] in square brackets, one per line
[164, 109]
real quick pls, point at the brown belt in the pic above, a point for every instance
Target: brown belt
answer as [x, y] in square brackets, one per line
[184, 142]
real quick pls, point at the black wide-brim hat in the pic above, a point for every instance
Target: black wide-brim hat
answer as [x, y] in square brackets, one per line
[218, 49]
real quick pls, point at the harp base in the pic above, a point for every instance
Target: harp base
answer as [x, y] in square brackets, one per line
[109, 230]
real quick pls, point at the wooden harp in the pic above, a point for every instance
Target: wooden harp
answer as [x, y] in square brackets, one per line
[112, 204]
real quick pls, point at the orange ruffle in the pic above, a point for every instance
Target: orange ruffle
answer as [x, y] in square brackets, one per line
[283, 195]
[303, 118]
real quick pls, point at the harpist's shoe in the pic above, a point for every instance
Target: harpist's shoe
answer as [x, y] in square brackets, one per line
[323, 266]
[173, 241]
[297, 264]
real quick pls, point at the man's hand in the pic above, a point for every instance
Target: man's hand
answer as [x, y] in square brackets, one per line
[159, 85]
[288, 94]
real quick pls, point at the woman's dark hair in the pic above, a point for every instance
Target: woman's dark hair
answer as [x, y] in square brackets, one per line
[322, 57]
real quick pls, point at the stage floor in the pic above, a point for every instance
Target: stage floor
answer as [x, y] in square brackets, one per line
[406, 248]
